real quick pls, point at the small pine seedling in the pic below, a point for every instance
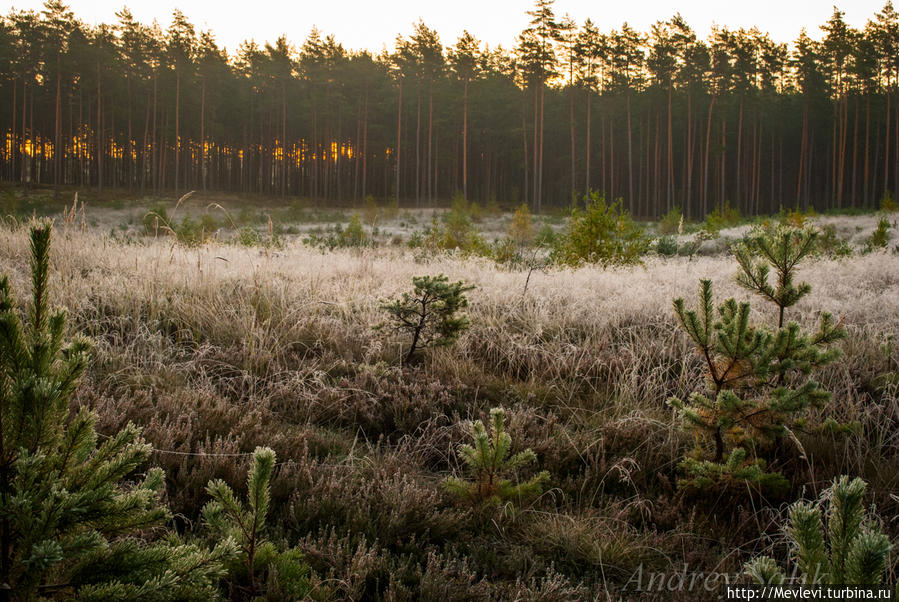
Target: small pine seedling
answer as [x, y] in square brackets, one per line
[850, 550]
[429, 313]
[489, 462]
[228, 518]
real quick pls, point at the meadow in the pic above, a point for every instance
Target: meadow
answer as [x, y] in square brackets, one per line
[261, 333]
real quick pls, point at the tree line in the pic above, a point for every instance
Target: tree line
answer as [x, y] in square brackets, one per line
[661, 119]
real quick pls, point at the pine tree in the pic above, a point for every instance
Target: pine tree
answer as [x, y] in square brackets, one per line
[286, 576]
[758, 384]
[489, 462]
[850, 550]
[429, 313]
[70, 510]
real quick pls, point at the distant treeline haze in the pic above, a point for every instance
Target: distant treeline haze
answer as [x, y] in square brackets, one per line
[659, 118]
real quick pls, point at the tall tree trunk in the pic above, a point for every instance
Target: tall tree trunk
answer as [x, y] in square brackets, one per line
[177, 130]
[540, 171]
[399, 138]
[571, 132]
[99, 136]
[202, 153]
[465, 143]
[587, 147]
[57, 135]
[669, 188]
[886, 149]
[430, 138]
[418, 147]
[365, 146]
[867, 178]
[708, 143]
[536, 142]
[129, 147]
[26, 148]
[630, 162]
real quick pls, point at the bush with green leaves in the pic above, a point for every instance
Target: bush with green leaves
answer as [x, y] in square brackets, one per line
[602, 233]
[490, 463]
[880, 236]
[667, 246]
[672, 222]
[758, 384]
[722, 216]
[260, 569]
[832, 541]
[430, 314]
[73, 513]
[521, 227]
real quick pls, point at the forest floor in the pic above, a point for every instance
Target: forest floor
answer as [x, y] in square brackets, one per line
[220, 347]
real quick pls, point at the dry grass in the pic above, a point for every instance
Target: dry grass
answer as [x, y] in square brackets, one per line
[217, 349]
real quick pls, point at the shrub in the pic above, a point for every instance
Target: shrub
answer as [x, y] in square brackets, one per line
[259, 560]
[723, 216]
[521, 228]
[850, 549]
[489, 462]
[70, 520]
[456, 233]
[667, 246]
[156, 219]
[830, 244]
[888, 202]
[603, 234]
[429, 314]
[671, 222]
[880, 237]
[757, 376]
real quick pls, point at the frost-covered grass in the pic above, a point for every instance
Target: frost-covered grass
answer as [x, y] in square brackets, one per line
[217, 349]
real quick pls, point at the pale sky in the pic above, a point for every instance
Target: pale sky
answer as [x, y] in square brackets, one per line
[372, 25]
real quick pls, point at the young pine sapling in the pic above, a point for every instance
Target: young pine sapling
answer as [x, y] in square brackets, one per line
[758, 383]
[489, 462]
[430, 314]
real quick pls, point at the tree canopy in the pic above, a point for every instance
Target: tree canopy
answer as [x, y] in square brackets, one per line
[659, 119]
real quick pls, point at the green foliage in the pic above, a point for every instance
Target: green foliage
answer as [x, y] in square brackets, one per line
[353, 235]
[603, 234]
[521, 228]
[795, 217]
[672, 222]
[260, 568]
[850, 549]
[456, 233]
[666, 246]
[888, 202]
[880, 236]
[429, 313]
[831, 245]
[757, 376]
[546, 236]
[489, 462]
[156, 220]
[723, 216]
[72, 510]
[248, 237]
